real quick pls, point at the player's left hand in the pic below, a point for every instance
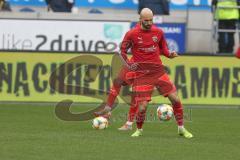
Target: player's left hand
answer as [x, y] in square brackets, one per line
[173, 54]
[105, 111]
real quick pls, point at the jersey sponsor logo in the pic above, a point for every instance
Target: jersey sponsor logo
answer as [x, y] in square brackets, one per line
[149, 49]
[154, 38]
[140, 40]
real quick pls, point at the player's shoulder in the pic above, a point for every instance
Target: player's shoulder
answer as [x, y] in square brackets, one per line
[157, 29]
[133, 30]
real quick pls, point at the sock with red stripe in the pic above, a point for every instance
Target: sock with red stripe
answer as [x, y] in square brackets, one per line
[114, 91]
[178, 113]
[132, 110]
[141, 115]
[132, 113]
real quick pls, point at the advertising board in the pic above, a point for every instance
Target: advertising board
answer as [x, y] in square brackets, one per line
[199, 79]
[61, 35]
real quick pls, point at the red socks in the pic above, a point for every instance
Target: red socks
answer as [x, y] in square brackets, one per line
[114, 91]
[178, 113]
[132, 112]
[141, 115]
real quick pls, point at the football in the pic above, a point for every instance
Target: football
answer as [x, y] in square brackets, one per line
[164, 112]
[99, 123]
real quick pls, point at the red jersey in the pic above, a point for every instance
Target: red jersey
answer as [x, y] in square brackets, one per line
[145, 45]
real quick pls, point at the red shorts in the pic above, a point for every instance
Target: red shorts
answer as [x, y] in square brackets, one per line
[123, 76]
[128, 76]
[165, 86]
[143, 87]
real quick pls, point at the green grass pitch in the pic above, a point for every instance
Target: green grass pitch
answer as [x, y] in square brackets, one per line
[33, 132]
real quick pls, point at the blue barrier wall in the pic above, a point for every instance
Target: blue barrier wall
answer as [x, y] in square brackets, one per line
[130, 4]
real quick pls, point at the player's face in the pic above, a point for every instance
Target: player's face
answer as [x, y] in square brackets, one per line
[146, 23]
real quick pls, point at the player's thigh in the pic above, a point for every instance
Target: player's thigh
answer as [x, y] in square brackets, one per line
[142, 89]
[173, 97]
[165, 86]
[121, 78]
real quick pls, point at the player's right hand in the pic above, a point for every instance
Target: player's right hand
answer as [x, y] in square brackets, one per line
[134, 67]
[173, 54]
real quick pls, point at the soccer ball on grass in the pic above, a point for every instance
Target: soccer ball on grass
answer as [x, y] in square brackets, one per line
[164, 112]
[99, 123]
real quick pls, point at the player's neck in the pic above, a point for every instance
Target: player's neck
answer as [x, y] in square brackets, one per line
[145, 29]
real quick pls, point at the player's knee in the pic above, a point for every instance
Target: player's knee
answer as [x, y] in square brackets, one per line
[173, 97]
[118, 82]
[143, 106]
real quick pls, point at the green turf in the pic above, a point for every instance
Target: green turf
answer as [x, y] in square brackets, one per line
[30, 132]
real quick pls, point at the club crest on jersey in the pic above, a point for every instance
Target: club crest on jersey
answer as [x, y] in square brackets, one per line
[154, 38]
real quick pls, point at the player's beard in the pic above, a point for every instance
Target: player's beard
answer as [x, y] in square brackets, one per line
[146, 26]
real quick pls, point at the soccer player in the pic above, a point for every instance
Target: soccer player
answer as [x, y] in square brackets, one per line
[147, 42]
[125, 77]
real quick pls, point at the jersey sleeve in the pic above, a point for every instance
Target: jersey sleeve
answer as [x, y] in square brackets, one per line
[163, 46]
[125, 46]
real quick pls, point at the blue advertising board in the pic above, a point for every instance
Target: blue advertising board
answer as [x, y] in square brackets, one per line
[128, 4]
[174, 34]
